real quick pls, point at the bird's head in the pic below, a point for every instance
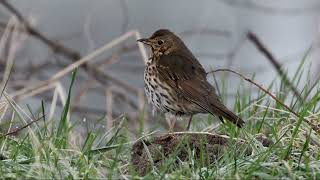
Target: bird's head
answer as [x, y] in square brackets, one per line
[162, 42]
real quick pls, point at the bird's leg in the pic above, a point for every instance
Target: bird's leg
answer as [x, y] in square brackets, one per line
[189, 123]
[173, 122]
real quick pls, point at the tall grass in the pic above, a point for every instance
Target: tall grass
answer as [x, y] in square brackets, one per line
[54, 150]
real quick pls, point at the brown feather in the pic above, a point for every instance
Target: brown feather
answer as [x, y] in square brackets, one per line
[176, 82]
[188, 78]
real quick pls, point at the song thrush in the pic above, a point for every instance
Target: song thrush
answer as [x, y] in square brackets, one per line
[175, 81]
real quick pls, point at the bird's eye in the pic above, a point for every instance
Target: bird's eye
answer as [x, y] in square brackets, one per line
[160, 42]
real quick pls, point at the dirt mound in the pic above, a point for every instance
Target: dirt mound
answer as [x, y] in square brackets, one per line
[155, 150]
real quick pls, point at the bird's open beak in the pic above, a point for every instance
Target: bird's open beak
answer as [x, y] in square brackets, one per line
[145, 41]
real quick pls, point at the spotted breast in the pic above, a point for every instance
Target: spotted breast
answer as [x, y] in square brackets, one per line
[158, 93]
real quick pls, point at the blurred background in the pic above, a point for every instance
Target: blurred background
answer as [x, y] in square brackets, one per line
[112, 83]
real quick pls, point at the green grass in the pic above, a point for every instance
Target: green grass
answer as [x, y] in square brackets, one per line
[54, 149]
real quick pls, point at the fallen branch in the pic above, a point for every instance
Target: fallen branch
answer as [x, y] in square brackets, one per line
[314, 127]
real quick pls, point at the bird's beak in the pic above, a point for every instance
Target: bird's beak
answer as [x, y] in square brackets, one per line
[145, 41]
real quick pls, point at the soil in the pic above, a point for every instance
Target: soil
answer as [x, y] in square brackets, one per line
[156, 150]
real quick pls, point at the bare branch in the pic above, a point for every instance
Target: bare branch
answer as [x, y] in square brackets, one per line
[263, 49]
[314, 127]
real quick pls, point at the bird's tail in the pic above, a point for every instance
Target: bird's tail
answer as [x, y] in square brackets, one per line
[229, 115]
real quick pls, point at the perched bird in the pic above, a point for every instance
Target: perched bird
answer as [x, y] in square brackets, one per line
[175, 82]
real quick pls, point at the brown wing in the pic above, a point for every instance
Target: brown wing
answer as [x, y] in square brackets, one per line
[188, 77]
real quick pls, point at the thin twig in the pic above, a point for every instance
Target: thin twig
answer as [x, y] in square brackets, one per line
[263, 49]
[114, 57]
[314, 127]
[23, 127]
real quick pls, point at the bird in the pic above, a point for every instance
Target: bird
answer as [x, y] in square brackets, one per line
[176, 83]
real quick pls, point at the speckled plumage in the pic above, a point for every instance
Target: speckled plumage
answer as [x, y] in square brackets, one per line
[175, 81]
